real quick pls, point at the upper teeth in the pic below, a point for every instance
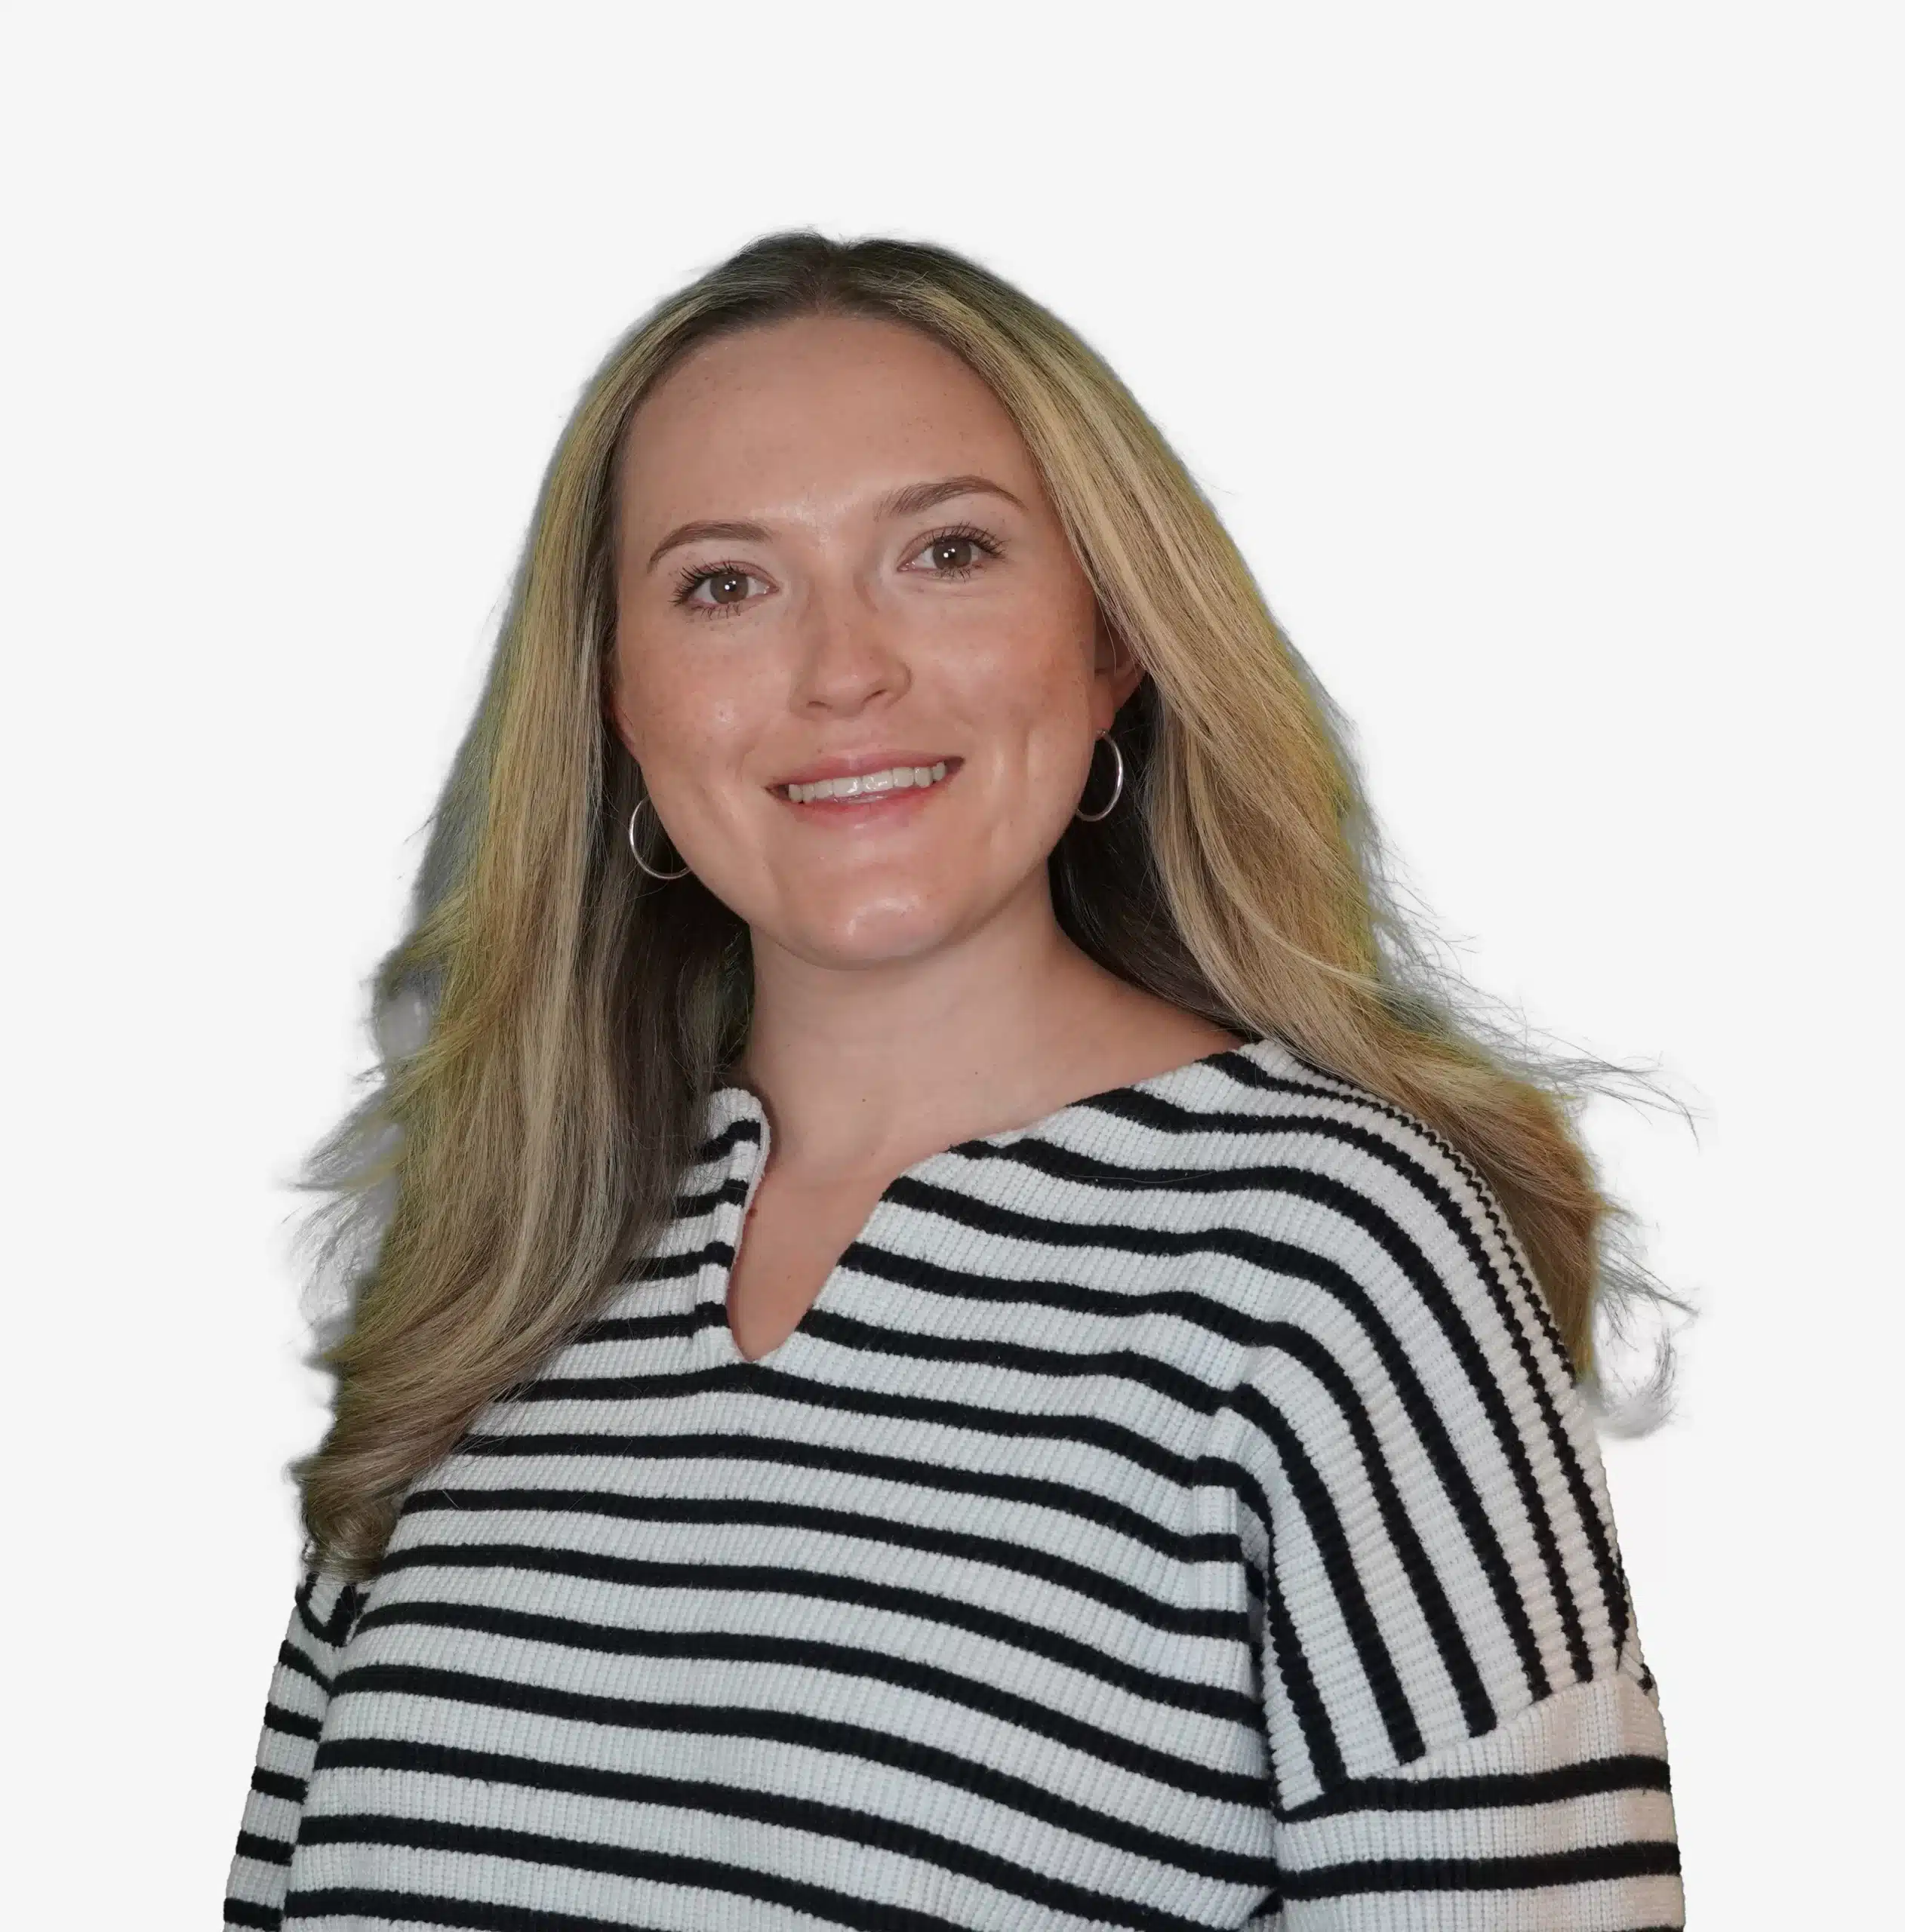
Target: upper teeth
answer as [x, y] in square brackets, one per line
[893, 779]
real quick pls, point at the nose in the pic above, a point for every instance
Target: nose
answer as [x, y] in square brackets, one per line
[848, 649]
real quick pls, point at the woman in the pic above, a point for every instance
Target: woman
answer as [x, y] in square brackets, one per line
[941, 1336]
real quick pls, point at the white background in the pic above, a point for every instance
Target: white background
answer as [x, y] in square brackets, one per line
[1544, 360]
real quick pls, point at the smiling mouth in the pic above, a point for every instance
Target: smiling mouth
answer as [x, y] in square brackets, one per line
[895, 784]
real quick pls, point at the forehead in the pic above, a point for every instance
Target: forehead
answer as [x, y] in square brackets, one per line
[836, 406]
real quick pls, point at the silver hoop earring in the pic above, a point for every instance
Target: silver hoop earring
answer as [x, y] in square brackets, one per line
[1092, 818]
[637, 849]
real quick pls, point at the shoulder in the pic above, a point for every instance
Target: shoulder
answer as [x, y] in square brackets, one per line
[1391, 1256]
[1283, 1107]
[1356, 1204]
[1402, 1396]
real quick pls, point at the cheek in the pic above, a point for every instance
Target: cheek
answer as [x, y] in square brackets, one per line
[678, 713]
[1027, 690]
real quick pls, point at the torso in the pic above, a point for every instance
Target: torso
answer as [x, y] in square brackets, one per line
[661, 1643]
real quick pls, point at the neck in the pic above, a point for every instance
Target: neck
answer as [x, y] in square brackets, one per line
[864, 1071]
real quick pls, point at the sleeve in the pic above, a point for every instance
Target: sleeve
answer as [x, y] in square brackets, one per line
[1462, 1732]
[323, 1609]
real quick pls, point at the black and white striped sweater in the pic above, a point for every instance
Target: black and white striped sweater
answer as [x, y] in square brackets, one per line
[1175, 1513]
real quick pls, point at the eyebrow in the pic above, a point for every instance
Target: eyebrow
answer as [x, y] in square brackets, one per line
[909, 501]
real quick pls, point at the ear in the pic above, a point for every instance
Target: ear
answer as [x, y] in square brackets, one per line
[1115, 665]
[612, 702]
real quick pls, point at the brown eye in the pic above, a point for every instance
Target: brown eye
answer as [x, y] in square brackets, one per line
[955, 552]
[727, 587]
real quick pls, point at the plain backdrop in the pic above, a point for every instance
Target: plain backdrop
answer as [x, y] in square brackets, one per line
[1545, 362]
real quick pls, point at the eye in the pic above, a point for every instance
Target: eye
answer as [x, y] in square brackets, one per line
[726, 585]
[958, 552]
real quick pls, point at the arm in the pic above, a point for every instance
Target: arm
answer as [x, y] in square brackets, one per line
[322, 1610]
[1463, 1732]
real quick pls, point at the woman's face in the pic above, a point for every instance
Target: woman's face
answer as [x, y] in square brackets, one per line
[835, 556]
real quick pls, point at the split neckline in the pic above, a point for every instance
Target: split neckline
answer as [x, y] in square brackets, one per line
[746, 1162]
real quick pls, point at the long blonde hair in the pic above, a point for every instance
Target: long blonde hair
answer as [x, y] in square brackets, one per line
[549, 1027]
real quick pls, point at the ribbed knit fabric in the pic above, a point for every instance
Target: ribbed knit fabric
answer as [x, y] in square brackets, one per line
[1178, 1512]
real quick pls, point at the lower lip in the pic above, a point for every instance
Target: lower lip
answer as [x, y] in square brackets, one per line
[882, 807]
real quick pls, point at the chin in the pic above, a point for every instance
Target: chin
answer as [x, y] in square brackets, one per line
[870, 935]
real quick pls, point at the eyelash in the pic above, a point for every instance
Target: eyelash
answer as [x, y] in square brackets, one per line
[691, 579]
[969, 533]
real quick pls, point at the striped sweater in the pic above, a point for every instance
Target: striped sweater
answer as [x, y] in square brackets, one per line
[1178, 1512]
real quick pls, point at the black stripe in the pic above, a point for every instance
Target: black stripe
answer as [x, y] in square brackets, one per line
[1004, 1554]
[719, 1146]
[702, 1448]
[1641, 1858]
[1169, 1691]
[709, 1797]
[1028, 1714]
[424, 1909]
[1313, 1499]
[1025, 1559]
[254, 1918]
[1482, 1791]
[334, 1628]
[823, 1902]
[697, 1203]
[278, 1784]
[291, 1723]
[1001, 1290]
[653, 1267]
[1464, 1674]
[266, 1851]
[1138, 1447]
[710, 1449]
[292, 1659]
[1284, 1654]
